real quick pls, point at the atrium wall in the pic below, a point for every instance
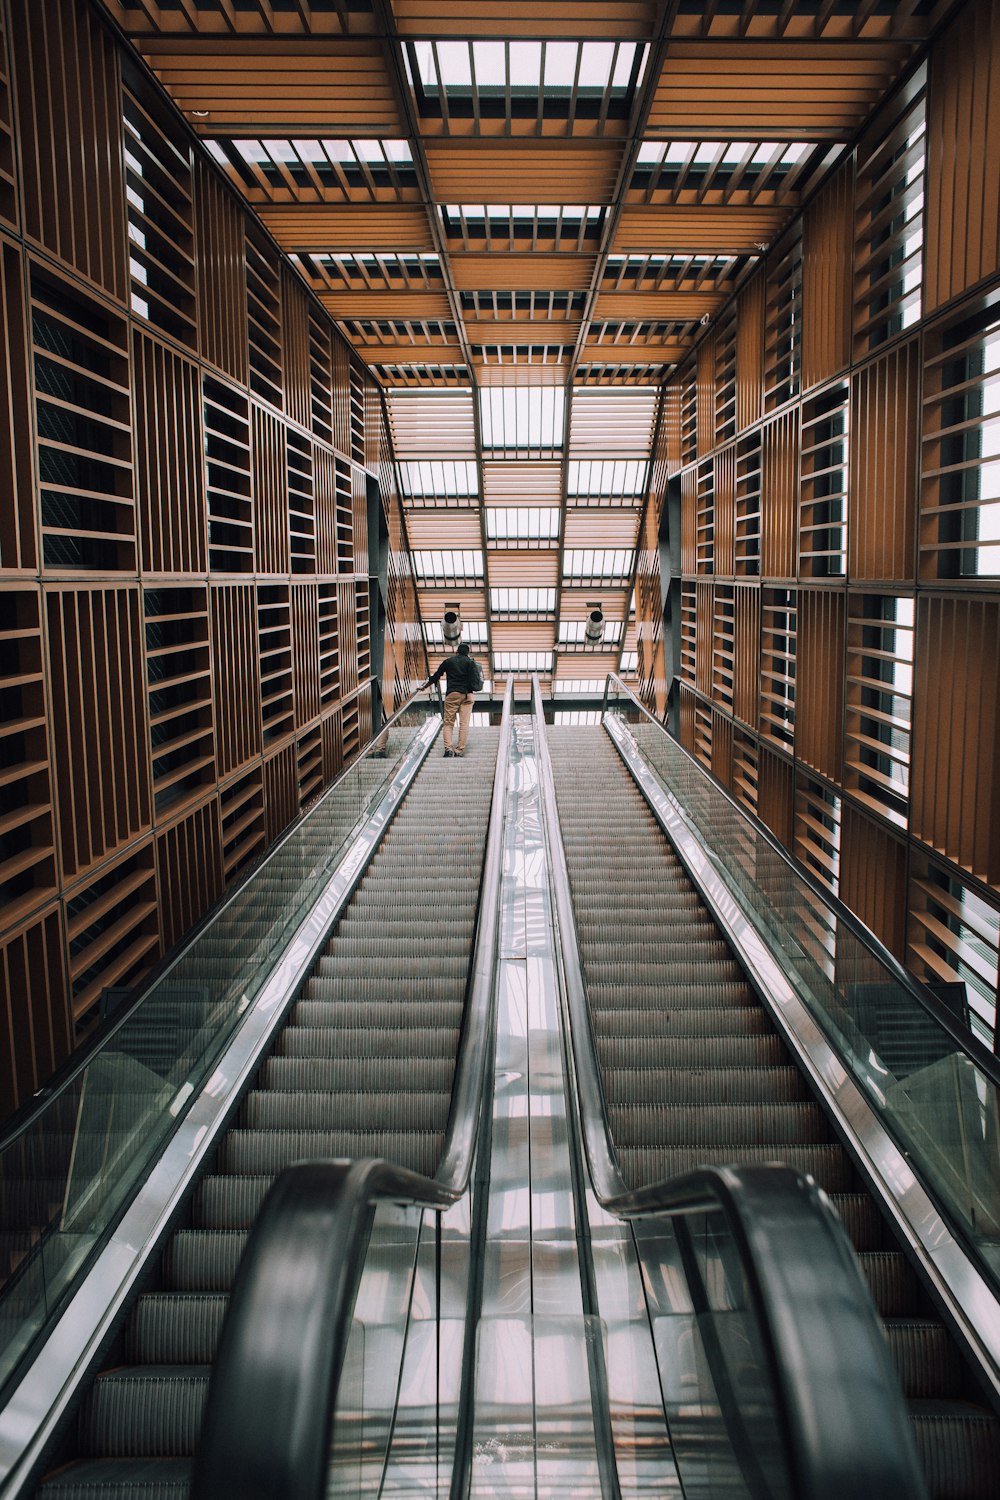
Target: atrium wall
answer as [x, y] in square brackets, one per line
[832, 611]
[184, 570]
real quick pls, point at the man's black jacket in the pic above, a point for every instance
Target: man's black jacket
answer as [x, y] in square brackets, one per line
[460, 673]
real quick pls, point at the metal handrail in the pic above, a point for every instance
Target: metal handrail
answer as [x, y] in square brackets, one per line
[275, 1380]
[23, 1118]
[965, 1040]
[805, 1282]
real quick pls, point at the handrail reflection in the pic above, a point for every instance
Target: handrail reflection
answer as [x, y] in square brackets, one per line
[276, 1377]
[849, 1430]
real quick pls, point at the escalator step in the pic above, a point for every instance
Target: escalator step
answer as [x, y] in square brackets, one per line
[692, 1052]
[890, 1282]
[228, 1202]
[699, 1022]
[642, 1166]
[861, 1219]
[959, 1447]
[926, 1358]
[175, 1329]
[259, 1152]
[121, 1479]
[411, 1071]
[652, 1085]
[735, 1125]
[386, 1020]
[143, 1412]
[400, 1099]
[203, 1260]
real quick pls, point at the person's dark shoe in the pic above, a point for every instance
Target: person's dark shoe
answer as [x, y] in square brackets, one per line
[449, 755]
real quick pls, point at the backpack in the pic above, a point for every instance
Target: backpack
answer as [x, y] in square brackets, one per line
[477, 675]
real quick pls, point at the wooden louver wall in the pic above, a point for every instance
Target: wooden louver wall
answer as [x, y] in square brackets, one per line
[183, 534]
[839, 659]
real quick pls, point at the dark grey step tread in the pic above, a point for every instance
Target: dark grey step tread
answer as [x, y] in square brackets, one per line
[144, 1411]
[175, 1328]
[400, 1104]
[326, 1041]
[699, 1021]
[959, 1448]
[653, 1085]
[412, 1069]
[643, 1166]
[121, 1479]
[925, 1356]
[359, 965]
[694, 1052]
[203, 1260]
[649, 970]
[228, 1200]
[336, 1041]
[861, 1219]
[891, 1282]
[638, 1125]
[257, 1153]
[628, 994]
[370, 989]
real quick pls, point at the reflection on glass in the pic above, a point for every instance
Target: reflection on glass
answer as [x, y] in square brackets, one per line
[67, 1176]
[933, 1098]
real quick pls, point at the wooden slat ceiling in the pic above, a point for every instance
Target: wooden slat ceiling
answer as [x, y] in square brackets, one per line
[520, 212]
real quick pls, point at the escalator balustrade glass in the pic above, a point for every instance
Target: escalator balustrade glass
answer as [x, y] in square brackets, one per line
[68, 1170]
[934, 1087]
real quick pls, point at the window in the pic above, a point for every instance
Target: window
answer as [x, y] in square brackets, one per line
[522, 417]
[523, 525]
[879, 706]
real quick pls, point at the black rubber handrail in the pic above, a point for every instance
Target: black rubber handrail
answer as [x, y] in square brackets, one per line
[847, 1426]
[100, 1037]
[276, 1375]
[965, 1040]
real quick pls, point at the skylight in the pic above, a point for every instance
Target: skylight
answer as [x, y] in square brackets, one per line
[316, 162]
[522, 661]
[523, 523]
[522, 601]
[522, 416]
[525, 67]
[606, 476]
[448, 567]
[439, 476]
[580, 687]
[597, 565]
[474, 633]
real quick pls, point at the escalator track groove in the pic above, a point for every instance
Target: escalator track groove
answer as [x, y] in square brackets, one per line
[363, 1067]
[695, 1073]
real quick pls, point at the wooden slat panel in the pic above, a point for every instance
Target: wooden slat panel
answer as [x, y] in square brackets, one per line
[873, 877]
[170, 465]
[281, 792]
[179, 684]
[280, 88]
[95, 656]
[607, 19]
[955, 798]
[237, 675]
[18, 546]
[241, 808]
[274, 649]
[746, 675]
[705, 356]
[723, 645]
[222, 304]
[69, 119]
[819, 714]
[112, 927]
[750, 352]
[229, 477]
[8, 152]
[306, 652]
[34, 1019]
[556, 273]
[189, 870]
[827, 248]
[295, 309]
[348, 228]
[270, 496]
[963, 187]
[725, 512]
[28, 872]
[524, 171]
[727, 231]
[704, 616]
[772, 88]
[775, 794]
[612, 423]
[883, 487]
[779, 490]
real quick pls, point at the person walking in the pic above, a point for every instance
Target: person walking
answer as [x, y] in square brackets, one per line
[464, 678]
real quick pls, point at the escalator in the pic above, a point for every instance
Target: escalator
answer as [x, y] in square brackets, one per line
[364, 1066]
[695, 1073]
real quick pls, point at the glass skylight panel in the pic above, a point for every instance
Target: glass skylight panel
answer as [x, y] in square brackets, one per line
[606, 476]
[522, 661]
[687, 162]
[525, 67]
[473, 632]
[527, 523]
[522, 601]
[439, 476]
[447, 566]
[609, 565]
[580, 687]
[629, 664]
[572, 718]
[315, 161]
[524, 416]
[573, 633]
